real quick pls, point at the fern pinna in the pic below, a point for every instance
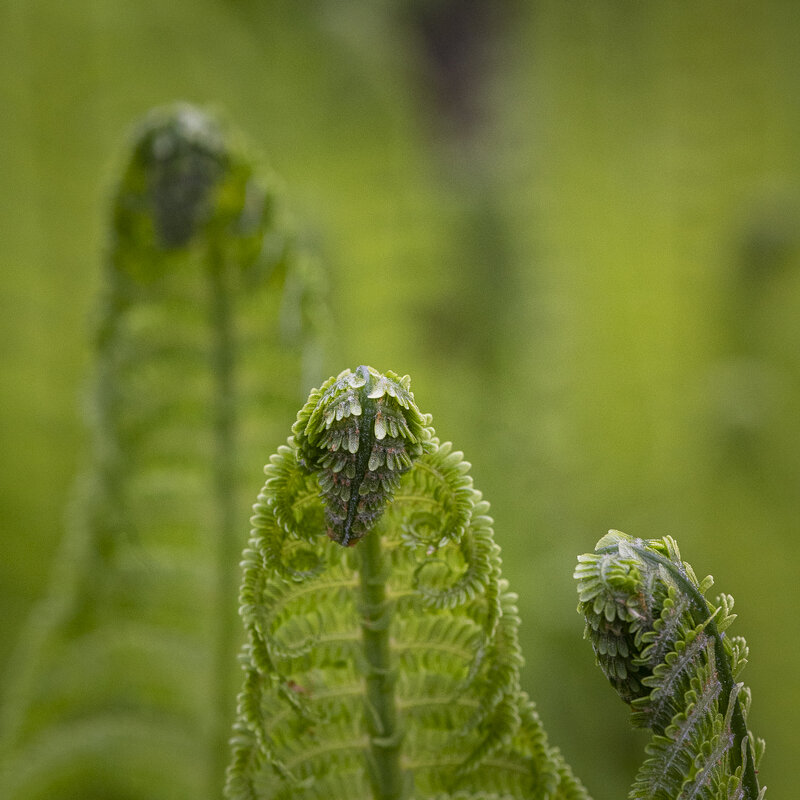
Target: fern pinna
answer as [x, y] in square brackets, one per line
[664, 647]
[124, 683]
[382, 658]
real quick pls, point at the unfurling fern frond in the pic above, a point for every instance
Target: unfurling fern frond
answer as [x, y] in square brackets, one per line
[665, 649]
[359, 449]
[124, 684]
[387, 667]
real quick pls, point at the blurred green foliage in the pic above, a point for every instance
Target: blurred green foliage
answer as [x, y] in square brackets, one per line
[211, 318]
[574, 225]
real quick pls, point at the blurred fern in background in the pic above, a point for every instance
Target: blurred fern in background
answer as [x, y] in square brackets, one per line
[209, 329]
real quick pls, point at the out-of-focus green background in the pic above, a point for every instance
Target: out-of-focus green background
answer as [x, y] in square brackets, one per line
[574, 224]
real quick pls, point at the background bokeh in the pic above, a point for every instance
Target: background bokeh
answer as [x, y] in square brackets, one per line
[575, 225]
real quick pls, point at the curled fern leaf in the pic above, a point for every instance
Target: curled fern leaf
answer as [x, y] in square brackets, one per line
[389, 670]
[359, 433]
[659, 642]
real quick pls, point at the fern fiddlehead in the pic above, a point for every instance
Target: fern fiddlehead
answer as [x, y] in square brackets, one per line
[123, 685]
[387, 667]
[664, 648]
[361, 435]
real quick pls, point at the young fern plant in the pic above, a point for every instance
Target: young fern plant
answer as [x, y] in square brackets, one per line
[666, 650]
[122, 685]
[382, 658]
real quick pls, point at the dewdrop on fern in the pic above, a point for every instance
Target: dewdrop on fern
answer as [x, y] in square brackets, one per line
[361, 432]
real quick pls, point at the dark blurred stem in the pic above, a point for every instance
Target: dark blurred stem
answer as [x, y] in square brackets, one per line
[224, 422]
[385, 734]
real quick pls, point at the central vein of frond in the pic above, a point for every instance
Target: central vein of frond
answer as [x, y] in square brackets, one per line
[366, 439]
[225, 481]
[431, 700]
[455, 760]
[311, 753]
[439, 647]
[319, 587]
[385, 735]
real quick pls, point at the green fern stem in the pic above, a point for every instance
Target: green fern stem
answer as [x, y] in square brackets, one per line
[225, 643]
[700, 614]
[385, 733]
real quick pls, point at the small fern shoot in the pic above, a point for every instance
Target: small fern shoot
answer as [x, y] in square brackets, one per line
[665, 649]
[123, 683]
[382, 659]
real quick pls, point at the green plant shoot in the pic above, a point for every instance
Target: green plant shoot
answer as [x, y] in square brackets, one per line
[666, 651]
[382, 659]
